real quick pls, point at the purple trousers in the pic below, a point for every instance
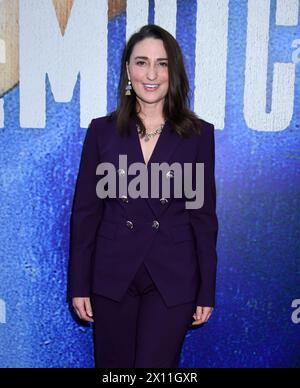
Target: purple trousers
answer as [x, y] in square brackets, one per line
[140, 331]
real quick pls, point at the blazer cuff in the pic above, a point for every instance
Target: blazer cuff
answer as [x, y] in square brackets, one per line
[205, 300]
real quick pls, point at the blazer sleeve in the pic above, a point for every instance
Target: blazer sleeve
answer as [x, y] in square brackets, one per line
[205, 222]
[85, 218]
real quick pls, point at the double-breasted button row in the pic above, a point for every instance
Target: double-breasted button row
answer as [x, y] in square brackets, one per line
[155, 224]
[125, 199]
[169, 174]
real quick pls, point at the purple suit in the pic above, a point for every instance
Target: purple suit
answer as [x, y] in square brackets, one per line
[111, 237]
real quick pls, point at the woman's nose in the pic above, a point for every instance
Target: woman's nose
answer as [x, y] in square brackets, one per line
[152, 73]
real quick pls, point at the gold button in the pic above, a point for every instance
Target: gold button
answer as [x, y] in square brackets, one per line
[155, 224]
[170, 174]
[124, 198]
[129, 224]
[121, 171]
[163, 201]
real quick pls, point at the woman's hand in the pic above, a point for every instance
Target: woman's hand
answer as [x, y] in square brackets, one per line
[83, 308]
[202, 315]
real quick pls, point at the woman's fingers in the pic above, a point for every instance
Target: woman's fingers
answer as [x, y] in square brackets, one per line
[83, 309]
[202, 315]
[88, 308]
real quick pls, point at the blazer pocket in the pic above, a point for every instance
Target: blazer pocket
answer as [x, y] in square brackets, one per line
[182, 233]
[107, 229]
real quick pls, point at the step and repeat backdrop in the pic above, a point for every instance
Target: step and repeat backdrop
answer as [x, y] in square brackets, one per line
[59, 67]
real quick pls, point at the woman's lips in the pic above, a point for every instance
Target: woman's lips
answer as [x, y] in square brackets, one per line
[151, 89]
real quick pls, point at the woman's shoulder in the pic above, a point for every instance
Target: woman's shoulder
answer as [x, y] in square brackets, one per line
[108, 119]
[205, 130]
[103, 124]
[208, 126]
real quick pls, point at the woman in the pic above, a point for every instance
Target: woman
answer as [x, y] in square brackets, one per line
[143, 268]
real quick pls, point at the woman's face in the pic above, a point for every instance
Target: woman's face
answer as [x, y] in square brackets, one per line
[148, 65]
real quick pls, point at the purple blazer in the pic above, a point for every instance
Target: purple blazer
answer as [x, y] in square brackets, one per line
[111, 237]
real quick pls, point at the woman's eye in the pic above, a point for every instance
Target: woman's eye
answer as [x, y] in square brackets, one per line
[164, 64]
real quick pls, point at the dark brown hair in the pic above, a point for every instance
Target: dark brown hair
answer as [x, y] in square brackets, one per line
[176, 106]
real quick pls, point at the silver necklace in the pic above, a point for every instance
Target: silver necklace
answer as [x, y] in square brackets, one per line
[148, 135]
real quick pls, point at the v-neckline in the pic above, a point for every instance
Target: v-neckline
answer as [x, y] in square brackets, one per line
[155, 147]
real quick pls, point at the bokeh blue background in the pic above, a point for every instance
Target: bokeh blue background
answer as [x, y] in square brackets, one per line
[258, 186]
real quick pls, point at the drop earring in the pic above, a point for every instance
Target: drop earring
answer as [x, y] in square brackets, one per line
[128, 88]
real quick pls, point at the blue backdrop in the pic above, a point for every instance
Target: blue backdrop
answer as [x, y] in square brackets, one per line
[258, 202]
